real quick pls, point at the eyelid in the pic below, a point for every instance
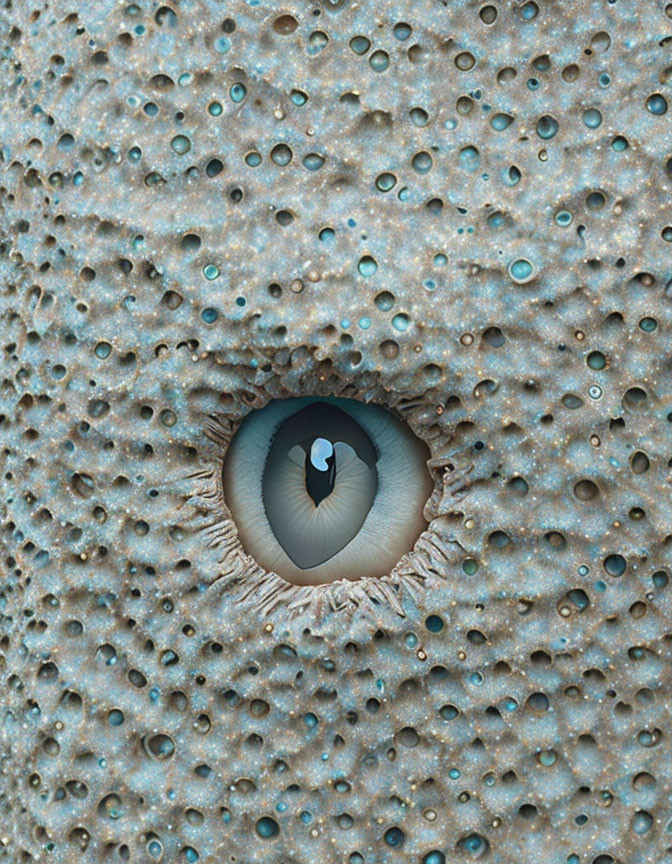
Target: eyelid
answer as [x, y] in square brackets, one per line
[387, 524]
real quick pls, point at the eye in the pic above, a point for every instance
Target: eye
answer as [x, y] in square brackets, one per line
[325, 489]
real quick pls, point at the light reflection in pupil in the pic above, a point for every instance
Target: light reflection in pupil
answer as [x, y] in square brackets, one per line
[320, 469]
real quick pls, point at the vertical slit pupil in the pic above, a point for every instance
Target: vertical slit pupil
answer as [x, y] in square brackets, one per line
[320, 469]
[319, 483]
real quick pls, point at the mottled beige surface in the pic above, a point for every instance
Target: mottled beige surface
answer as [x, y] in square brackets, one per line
[535, 725]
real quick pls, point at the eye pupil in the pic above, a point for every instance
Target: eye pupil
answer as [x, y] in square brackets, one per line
[320, 470]
[302, 472]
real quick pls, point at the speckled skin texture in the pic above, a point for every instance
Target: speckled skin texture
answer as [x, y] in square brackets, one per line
[461, 212]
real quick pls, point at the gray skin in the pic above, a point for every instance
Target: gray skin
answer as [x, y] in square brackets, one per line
[502, 692]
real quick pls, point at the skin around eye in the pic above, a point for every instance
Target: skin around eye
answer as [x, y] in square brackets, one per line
[322, 489]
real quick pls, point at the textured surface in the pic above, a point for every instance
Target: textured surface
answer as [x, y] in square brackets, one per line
[459, 211]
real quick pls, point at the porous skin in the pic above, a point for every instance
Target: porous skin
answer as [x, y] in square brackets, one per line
[504, 693]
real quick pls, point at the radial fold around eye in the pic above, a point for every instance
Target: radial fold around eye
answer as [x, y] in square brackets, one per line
[326, 489]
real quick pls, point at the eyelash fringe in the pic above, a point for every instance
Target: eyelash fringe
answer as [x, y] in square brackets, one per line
[432, 558]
